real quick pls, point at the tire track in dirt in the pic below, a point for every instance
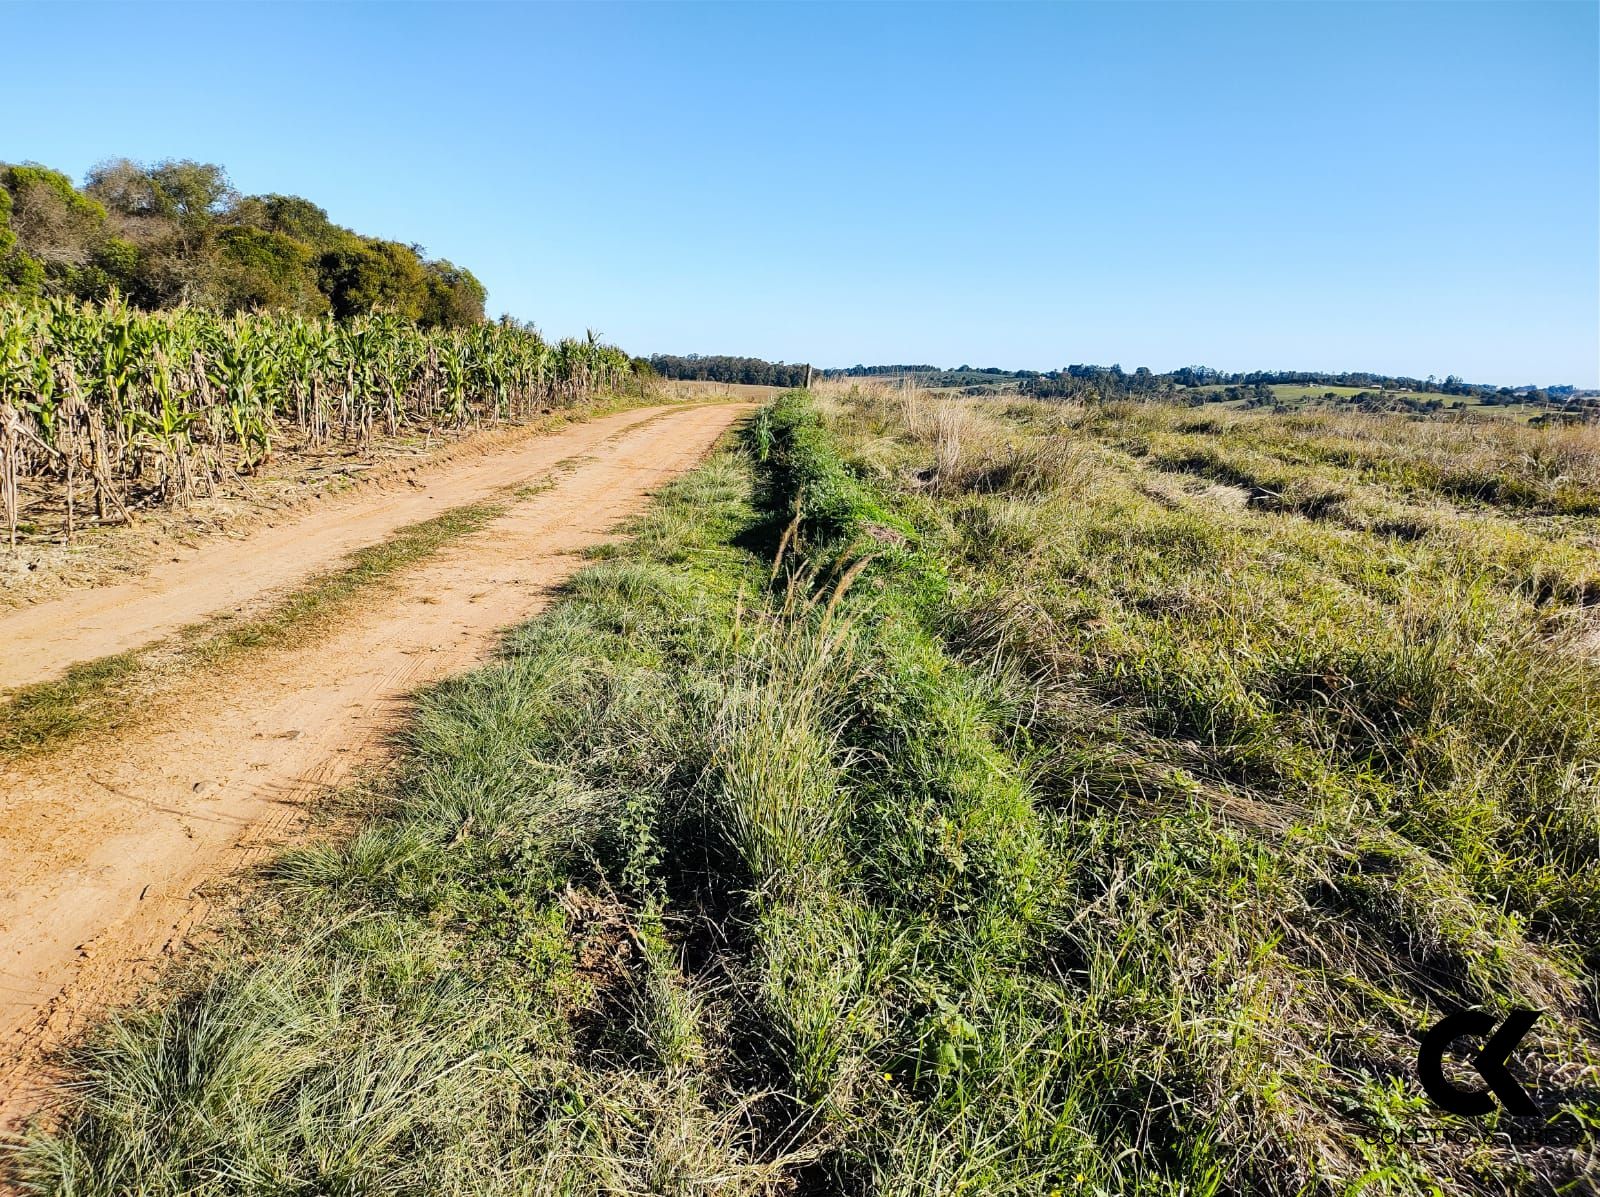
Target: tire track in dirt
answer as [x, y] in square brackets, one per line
[41, 641]
[108, 849]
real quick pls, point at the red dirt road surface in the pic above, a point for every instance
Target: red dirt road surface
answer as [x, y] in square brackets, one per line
[107, 846]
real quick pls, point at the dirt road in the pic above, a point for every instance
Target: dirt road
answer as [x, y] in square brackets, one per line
[40, 641]
[106, 849]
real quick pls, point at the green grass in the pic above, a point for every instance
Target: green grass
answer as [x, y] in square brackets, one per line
[927, 800]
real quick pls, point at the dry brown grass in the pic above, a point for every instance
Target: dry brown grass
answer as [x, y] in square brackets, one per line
[690, 388]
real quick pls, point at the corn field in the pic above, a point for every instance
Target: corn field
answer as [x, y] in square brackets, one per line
[117, 408]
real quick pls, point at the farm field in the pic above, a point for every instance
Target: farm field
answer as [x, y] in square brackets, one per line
[111, 416]
[941, 796]
[1285, 396]
[1316, 396]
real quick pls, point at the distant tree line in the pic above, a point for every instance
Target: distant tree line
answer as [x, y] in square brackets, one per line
[176, 232]
[1202, 384]
[1257, 383]
[1375, 390]
[859, 371]
[1197, 376]
[1100, 383]
[720, 368]
[972, 378]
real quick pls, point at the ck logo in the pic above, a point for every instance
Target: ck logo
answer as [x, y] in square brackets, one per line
[1490, 1063]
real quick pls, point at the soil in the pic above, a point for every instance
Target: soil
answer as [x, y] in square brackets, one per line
[115, 852]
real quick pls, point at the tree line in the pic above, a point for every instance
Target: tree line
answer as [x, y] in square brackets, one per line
[1112, 382]
[721, 368]
[860, 371]
[1106, 383]
[177, 233]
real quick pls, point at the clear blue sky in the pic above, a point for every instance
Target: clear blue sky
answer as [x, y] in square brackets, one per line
[1412, 189]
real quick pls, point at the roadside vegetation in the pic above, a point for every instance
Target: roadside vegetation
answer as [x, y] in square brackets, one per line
[999, 797]
[104, 408]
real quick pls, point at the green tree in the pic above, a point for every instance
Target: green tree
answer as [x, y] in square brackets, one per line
[52, 229]
[374, 275]
[19, 274]
[260, 269]
[171, 212]
[125, 188]
[291, 216]
[191, 195]
[455, 296]
[114, 267]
